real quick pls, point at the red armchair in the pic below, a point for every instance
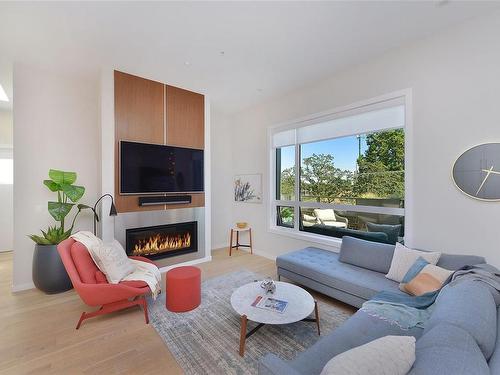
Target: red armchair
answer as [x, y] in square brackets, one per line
[92, 286]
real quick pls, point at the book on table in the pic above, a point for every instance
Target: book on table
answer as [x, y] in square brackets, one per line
[270, 304]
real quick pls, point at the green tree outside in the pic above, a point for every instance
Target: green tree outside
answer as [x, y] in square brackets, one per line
[380, 173]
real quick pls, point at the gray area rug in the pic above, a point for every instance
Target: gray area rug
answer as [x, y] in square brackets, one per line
[206, 340]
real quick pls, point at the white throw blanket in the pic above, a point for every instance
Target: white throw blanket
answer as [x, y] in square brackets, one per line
[143, 271]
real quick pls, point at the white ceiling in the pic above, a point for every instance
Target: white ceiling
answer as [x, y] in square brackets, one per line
[239, 53]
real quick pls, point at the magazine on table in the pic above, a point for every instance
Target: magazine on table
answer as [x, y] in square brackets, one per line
[270, 303]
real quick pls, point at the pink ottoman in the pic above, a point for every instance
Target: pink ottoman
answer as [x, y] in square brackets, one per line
[183, 289]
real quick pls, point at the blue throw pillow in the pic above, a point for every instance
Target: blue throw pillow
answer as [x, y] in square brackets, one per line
[414, 270]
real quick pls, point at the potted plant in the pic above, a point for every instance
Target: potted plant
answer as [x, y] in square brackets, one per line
[49, 274]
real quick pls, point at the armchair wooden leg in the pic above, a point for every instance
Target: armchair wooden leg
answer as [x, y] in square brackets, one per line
[115, 306]
[82, 318]
[145, 307]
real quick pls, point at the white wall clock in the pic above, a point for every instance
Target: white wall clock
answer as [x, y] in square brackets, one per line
[477, 172]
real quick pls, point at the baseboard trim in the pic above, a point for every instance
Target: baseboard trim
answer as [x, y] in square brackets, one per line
[22, 287]
[264, 254]
[218, 247]
[188, 263]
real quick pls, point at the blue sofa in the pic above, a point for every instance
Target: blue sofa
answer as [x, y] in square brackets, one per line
[461, 336]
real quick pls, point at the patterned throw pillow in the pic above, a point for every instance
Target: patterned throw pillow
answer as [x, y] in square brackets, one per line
[388, 355]
[423, 277]
[404, 258]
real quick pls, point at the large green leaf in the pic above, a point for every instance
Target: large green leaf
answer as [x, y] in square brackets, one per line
[61, 177]
[73, 192]
[59, 210]
[53, 186]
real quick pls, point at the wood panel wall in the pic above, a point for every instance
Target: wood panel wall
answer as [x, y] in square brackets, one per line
[151, 112]
[185, 119]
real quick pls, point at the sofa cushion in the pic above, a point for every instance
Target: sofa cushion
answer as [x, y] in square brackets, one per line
[470, 306]
[424, 278]
[404, 258]
[359, 329]
[367, 254]
[455, 262]
[84, 264]
[325, 214]
[388, 355]
[494, 361]
[392, 231]
[448, 349]
[324, 267]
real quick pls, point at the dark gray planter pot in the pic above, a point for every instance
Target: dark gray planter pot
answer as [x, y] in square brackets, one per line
[49, 274]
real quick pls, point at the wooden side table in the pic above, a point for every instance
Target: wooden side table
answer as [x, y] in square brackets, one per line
[237, 231]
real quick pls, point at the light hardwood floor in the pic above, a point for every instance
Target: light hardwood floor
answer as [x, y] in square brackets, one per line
[38, 336]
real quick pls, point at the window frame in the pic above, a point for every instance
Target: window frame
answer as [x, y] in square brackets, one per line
[405, 96]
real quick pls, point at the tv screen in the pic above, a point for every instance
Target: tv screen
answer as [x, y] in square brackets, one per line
[148, 168]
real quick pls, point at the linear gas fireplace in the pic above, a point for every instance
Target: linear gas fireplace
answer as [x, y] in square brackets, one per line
[162, 241]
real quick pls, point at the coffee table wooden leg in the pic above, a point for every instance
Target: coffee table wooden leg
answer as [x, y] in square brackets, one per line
[316, 313]
[243, 334]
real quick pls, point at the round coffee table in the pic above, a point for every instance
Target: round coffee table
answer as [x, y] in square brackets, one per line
[300, 305]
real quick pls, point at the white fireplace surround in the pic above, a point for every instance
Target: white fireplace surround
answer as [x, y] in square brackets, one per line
[114, 227]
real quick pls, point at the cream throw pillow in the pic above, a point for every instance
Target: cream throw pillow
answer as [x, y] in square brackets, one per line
[112, 260]
[389, 355]
[404, 258]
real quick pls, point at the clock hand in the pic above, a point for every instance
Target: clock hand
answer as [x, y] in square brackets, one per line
[488, 172]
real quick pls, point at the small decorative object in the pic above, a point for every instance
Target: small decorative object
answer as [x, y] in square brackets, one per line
[112, 210]
[248, 188]
[268, 285]
[49, 274]
[477, 172]
[242, 224]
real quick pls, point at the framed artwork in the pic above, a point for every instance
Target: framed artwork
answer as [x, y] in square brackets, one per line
[248, 188]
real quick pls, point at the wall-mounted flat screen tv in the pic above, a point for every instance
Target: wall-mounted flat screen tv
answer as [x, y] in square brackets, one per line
[149, 168]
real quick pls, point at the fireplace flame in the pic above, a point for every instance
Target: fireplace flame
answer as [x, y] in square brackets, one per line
[160, 243]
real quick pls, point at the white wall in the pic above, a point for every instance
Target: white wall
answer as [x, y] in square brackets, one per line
[6, 191]
[56, 125]
[455, 78]
[221, 166]
[6, 129]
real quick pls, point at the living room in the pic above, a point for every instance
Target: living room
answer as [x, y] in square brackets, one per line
[299, 152]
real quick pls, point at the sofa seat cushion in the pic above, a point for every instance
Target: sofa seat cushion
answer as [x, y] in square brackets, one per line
[494, 361]
[469, 305]
[84, 264]
[359, 329]
[366, 254]
[324, 267]
[448, 349]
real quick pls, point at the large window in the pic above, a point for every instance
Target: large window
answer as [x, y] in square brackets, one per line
[6, 167]
[342, 175]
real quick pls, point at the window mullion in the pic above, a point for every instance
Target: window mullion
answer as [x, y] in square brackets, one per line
[297, 187]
